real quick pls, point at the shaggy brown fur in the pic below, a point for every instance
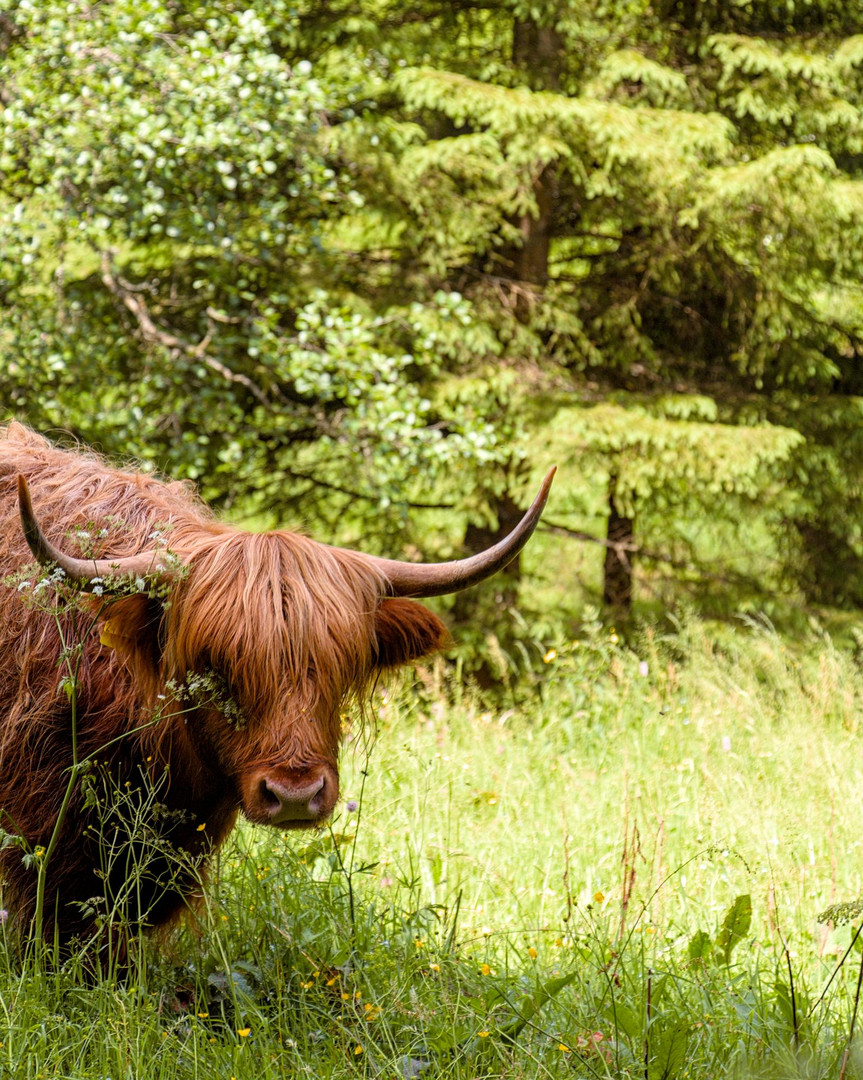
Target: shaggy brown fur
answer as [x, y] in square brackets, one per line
[291, 628]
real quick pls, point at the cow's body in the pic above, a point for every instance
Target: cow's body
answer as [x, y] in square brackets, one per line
[273, 632]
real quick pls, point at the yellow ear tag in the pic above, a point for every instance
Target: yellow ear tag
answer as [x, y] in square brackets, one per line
[110, 636]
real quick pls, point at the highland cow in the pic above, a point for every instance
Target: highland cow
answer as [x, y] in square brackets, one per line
[212, 678]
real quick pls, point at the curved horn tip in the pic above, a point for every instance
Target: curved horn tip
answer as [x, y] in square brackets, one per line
[23, 492]
[32, 532]
[546, 484]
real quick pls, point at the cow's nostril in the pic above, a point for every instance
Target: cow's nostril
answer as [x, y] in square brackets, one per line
[319, 798]
[268, 797]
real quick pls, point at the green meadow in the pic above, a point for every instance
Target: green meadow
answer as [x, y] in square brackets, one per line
[647, 866]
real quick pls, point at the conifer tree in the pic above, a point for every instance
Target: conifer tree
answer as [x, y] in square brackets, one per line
[385, 255]
[654, 214]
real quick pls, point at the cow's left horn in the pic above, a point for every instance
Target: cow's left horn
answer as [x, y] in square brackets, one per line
[81, 571]
[435, 579]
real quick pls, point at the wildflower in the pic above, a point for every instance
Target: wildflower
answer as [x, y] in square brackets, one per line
[202, 826]
[358, 1049]
[419, 943]
[203, 1015]
[352, 806]
[598, 897]
[549, 656]
[532, 953]
[564, 1049]
[643, 669]
[38, 851]
[613, 638]
[4, 915]
[434, 967]
[485, 969]
[243, 1032]
[483, 1034]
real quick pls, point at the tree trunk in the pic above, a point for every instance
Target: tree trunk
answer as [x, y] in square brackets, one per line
[537, 51]
[617, 578]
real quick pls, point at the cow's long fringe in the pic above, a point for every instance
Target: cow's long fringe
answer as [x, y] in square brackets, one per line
[289, 623]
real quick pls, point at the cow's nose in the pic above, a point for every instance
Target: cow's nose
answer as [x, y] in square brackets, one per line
[287, 801]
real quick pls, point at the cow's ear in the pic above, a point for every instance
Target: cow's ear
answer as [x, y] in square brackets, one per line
[130, 626]
[404, 631]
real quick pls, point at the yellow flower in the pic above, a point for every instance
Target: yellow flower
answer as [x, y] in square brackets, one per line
[202, 826]
[613, 638]
[532, 953]
[203, 1015]
[419, 943]
[243, 1032]
[38, 851]
[435, 967]
[483, 1034]
[485, 969]
[564, 1048]
[358, 1049]
[598, 897]
[549, 656]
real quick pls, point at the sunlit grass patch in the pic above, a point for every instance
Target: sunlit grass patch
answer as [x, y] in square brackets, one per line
[623, 878]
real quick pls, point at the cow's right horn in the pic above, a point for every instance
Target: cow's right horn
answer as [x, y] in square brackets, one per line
[82, 571]
[436, 579]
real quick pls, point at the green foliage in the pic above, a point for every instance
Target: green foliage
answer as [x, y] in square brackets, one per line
[164, 207]
[360, 261]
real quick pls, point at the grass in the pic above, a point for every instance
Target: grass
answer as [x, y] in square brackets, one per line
[619, 877]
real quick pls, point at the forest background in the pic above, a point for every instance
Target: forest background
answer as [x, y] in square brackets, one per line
[371, 269]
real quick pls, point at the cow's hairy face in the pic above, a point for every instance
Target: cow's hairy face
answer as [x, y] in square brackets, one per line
[266, 642]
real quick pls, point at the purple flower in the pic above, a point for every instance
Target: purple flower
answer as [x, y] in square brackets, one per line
[352, 806]
[4, 915]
